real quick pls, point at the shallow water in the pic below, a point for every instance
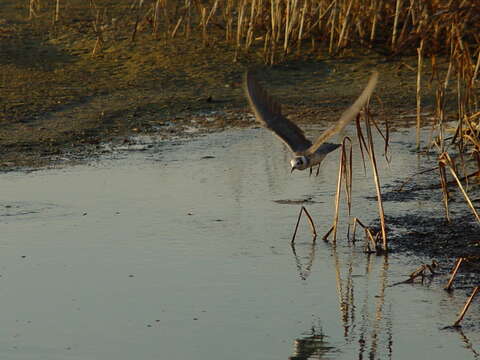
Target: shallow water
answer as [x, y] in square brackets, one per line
[183, 251]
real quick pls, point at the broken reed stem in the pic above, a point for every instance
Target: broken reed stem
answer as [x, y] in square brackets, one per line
[466, 306]
[355, 222]
[310, 221]
[370, 240]
[459, 261]
[419, 87]
[419, 272]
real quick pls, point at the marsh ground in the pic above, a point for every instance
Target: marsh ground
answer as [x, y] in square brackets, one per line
[57, 98]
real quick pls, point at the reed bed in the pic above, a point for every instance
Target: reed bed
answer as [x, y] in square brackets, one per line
[279, 28]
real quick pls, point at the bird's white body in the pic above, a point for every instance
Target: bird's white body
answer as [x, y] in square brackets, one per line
[303, 162]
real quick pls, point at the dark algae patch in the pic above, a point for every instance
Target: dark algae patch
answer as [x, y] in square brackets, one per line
[434, 236]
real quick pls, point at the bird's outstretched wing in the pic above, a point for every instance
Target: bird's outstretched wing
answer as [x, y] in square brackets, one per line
[348, 115]
[269, 114]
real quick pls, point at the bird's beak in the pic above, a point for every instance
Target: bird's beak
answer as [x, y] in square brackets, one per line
[291, 171]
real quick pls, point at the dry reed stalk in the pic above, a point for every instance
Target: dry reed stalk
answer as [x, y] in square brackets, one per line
[213, 11]
[276, 17]
[466, 306]
[266, 48]
[419, 87]
[332, 20]
[251, 26]
[458, 262]
[300, 30]
[98, 29]
[373, 161]
[290, 22]
[440, 116]
[33, 7]
[156, 17]
[177, 26]
[434, 76]
[386, 136]
[348, 172]
[409, 15]
[188, 19]
[56, 15]
[371, 244]
[321, 15]
[355, 220]
[475, 72]
[340, 176]
[239, 29]
[398, 6]
[167, 17]
[369, 238]
[288, 14]
[374, 11]
[310, 221]
[345, 24]
[137, 19]
[446, 161]
[443, 182]
[204, 26]
[228, 20]
[361, 142]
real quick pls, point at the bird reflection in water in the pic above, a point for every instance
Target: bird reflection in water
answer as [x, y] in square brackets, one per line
[312, 346]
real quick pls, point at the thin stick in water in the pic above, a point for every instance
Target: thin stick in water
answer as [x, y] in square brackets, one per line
[310, 221]
[467, 305]
[459, 261]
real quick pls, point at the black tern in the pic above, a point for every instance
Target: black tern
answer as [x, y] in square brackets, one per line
[269, 114]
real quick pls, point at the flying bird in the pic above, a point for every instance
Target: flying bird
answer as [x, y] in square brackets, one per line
[306, 154]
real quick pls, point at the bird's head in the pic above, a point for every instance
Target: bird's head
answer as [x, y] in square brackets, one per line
[299, 163]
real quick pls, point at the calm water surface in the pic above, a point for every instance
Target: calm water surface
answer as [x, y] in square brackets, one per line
[183, 251]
